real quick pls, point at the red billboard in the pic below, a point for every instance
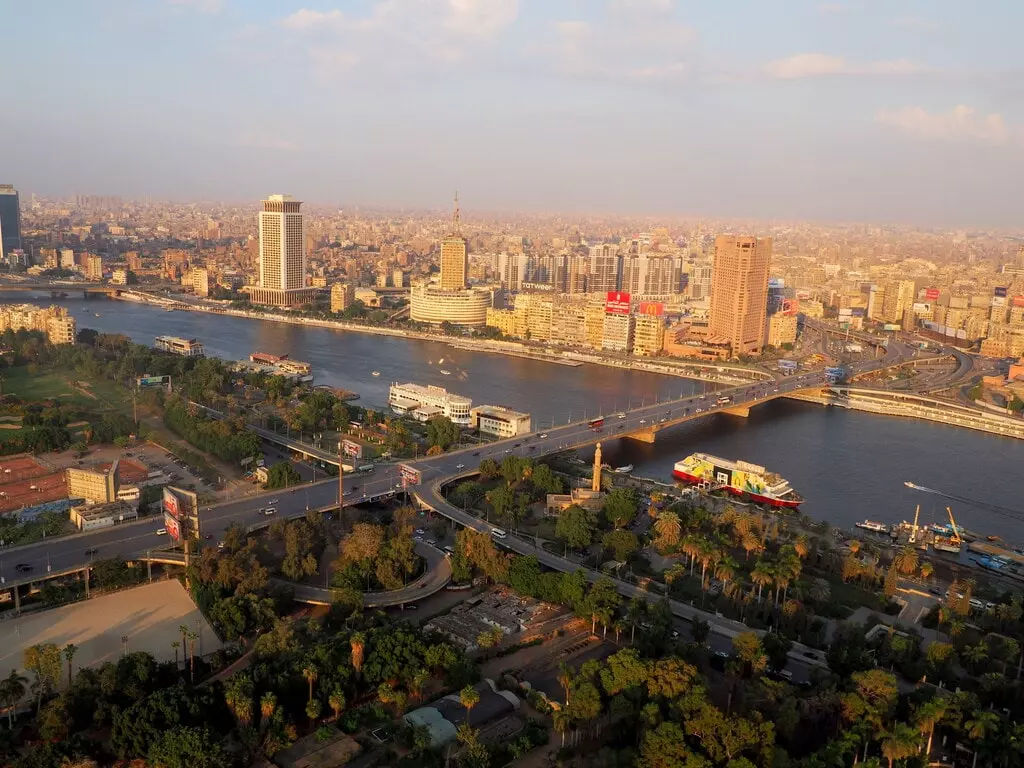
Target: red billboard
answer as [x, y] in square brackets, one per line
[171, 505]
[617, 303]
[352, 449]
[172, 526]
[654, 308]
[1018, 301]
[931, 294]
[790, 306]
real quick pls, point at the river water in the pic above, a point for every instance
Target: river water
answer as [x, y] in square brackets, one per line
[848, 465]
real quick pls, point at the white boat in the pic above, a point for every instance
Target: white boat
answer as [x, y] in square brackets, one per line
[98, 315]
[872, 525]
[627, 468]
[445, 373]
[375, 373]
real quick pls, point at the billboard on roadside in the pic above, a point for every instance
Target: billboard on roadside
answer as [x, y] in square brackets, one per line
[617, 303]
[153, 381]
[654, 308]
[173, 526]
[172, 505]
[352, 448]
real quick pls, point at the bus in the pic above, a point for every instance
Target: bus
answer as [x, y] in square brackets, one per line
[596, 424]
[724, 400]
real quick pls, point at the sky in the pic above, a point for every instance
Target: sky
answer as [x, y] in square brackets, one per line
[901, 111]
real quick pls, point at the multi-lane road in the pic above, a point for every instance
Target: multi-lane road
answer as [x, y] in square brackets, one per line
[65, 553]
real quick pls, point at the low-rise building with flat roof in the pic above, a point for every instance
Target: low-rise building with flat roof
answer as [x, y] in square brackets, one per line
[88, 517]
[496, 420]
[406, 398]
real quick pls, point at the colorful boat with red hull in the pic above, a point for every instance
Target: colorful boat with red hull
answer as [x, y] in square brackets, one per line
[740, 478]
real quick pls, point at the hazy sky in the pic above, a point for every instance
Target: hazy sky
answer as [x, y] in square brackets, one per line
[892, 110]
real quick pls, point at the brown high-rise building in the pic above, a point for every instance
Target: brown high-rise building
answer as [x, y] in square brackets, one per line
[454, 256]
[739, 292]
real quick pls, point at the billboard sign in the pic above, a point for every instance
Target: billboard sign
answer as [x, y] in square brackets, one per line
[654, 308]
[617, 303]
[153, 381]
[931, 294]
[858, 311]
[172, 506]
[788, 365]
[1018, 301]
[1000, 292]
[173, 526]
[410, 475]
[352, 449]
[790, 306]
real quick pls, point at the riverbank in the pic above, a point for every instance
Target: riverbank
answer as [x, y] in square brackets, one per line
[719, 374]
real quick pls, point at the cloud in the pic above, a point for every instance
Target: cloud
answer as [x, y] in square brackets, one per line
[961, 124]
[634, 40]
[398, 35]
[804, 65]
[202, 6]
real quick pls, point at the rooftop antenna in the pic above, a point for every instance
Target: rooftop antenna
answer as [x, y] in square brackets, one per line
[456, 224]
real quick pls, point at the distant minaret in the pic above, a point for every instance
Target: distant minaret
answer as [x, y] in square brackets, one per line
[596, 486]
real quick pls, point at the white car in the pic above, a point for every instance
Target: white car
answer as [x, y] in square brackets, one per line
[161, 531]
[420, 531]
[460, 466]
[643, 421]
[543, 435]
[269, 511]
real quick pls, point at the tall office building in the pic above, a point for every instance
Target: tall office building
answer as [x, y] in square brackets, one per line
[739, 292]
[454, 255]
[899, 297]
[512, 270]
[605, 269]
[282, 244]
[579, 273]
[10, 220]
[646, 275]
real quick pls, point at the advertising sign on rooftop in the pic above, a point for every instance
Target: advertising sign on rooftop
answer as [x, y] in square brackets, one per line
[654, 308]
[1000, 291]
[617, 303]
[931, 294]
[1018, 301]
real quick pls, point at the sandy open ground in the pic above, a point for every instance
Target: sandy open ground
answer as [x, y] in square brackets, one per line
[149, 615]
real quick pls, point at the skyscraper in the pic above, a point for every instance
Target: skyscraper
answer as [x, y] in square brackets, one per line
[454, 255]
[282, 244]
[739, 292]
[10, 220]
[605, 269]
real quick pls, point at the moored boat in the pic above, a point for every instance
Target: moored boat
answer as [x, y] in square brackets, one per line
[873, 525]
[739, 478]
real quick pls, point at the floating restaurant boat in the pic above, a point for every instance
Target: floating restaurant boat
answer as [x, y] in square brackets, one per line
[738, 477]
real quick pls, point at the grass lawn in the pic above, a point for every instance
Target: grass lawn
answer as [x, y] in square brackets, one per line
[38, 386]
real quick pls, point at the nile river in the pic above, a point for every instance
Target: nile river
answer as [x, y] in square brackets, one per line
[848, 465]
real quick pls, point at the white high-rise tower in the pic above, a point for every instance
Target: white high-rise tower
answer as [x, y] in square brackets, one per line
[282, 244]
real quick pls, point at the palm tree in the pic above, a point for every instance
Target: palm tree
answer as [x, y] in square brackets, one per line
[192, 637]
[927, 717]
[268, 704]
[982, 726]
[336, 701]
[416, 682]
[725, 572]
[802, 546]
[69, 653]
[12, 690]
[761, 576]
[183, 628]
[238, 697]
[707, 553]
[974, 655]
[560, 719]
[902, 741]
[906, 560]
[674, 573]
[358, 645]
[635, 613]
[469, 697]
[310, 673]
[176, 645]
[691, 546]
[820, 591]
[669, 528]
[565, 679]
[312, 711]
[927, 569]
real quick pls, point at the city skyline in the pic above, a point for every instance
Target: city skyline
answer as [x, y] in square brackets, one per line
[831, 111]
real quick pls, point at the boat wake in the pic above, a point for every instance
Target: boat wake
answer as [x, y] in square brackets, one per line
[1013, 514]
